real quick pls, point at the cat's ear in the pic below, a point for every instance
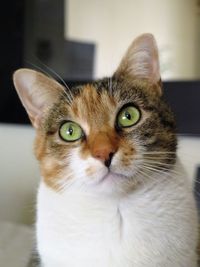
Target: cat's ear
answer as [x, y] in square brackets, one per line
[141, 61]
[37, 93]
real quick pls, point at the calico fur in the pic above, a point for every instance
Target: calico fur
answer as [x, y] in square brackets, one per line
[116, 196]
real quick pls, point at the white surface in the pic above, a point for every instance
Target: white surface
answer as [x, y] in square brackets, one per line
[189, 153]
[19, 173]
[16, 244]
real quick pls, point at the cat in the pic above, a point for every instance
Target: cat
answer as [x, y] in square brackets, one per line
[113, 192]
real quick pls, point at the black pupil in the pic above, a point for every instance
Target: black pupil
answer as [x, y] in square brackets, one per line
[70, 130]
[128, 115]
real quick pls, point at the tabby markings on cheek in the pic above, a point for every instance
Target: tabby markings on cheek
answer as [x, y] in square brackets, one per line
[126, 162]
[128, 153]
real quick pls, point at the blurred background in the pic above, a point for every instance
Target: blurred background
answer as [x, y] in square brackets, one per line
[81, 40]
[84, 40]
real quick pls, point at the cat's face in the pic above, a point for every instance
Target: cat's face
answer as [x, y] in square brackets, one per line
[108, 135]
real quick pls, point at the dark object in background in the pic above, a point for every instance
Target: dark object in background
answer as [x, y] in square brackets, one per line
[79, 61]
[184, 99]
[33, 36]
[197, 188]
[22, 39]
[11, 49]
[44, 34]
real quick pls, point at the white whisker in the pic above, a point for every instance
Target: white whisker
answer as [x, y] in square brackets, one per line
[67, 94]
[147, 175]
[70, 96]
[158, 169]
[158, 152]
[156, 158]
[110, 86]
[150, 161]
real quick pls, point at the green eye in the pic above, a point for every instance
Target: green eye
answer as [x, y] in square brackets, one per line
[128, 116]
[70, 131]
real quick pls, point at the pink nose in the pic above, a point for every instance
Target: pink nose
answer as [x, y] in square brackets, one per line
[103, 149]
[105, 154]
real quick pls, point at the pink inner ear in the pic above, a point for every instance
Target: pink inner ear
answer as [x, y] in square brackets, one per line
[30, 93]
[24, 80]
[34, 112]
[37, 92]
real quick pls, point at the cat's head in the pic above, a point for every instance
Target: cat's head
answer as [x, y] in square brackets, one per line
[110, 134]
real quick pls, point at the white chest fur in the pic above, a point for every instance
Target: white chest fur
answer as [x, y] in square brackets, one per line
[153, 226]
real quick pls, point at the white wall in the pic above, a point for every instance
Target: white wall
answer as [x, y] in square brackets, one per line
[113, 24]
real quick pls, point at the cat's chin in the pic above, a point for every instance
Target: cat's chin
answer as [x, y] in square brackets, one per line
[111, 183]
[112, 177]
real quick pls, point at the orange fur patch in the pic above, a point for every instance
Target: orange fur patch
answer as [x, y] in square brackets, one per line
[51, 172]
[51, 168]
[93, 108]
